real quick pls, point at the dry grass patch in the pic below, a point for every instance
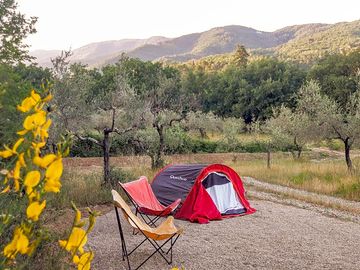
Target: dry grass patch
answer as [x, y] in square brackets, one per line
[325, 177]
[328, 177]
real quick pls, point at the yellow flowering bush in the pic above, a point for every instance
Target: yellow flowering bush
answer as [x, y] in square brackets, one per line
[28, 175]
[77, 239]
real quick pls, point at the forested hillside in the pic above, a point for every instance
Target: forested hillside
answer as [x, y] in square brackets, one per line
[320, 41]
[300, 43]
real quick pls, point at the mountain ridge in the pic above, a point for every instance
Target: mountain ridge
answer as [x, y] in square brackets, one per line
[302, 43]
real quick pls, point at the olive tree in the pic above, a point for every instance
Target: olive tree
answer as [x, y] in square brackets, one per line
[291, 129]
[165, 105]
[332, 119]
[94, 117]
[202, 123]
[231, 127]
[272, 140]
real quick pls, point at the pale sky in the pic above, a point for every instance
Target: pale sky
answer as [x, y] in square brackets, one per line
[73, 23]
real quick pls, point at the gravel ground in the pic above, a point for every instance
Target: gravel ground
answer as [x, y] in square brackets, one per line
[277, 236]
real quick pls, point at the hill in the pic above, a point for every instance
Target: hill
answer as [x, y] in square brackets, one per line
[95, 54]
[301, 43]
[327, 39]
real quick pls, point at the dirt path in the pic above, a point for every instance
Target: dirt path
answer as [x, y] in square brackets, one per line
[277, 236]
[332, 206]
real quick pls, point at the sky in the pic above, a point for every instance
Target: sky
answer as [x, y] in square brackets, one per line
[64, 24]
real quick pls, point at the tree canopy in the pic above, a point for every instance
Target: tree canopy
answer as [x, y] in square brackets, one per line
[14, 28]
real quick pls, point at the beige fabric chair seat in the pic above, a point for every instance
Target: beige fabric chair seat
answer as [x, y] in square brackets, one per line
[164, 231]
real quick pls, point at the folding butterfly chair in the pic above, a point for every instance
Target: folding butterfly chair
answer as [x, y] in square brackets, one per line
[166, 232]
[145, 202]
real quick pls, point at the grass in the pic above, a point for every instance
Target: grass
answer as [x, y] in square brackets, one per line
[242, 137]
[325, 177]
[315, 173]
[84, 189]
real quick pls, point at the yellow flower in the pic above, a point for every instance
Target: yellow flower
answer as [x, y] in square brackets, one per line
[76, 241]
[35, 96]
[22, 132]
[44, 130]
[10, 152]
[22, 160]
[28, 103]
[77, 216]
[47, 98]
[38, 146]
[35, 120]
[54, 171]
[45, 161]
[6, 153]
[33, 195]
[32, 179]
[84, 261]
[53, 174]
[16, 175]
[52, 185]
[19, 243]
[34, 210]
[33, 123]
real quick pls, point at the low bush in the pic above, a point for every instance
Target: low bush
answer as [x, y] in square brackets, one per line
[177, 141]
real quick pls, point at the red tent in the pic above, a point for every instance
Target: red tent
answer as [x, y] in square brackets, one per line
[208, 192]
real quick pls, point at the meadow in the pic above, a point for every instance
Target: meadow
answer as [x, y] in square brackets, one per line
[315, 172]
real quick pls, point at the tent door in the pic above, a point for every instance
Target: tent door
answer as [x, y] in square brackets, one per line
[223, 194]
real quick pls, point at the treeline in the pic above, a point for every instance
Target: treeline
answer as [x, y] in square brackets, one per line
[150, 108]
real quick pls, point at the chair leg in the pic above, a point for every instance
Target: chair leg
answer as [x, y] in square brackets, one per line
[123, 244]
[157, 250]
[171, 247]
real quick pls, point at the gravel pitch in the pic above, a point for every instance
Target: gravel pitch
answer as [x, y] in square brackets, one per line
[277, 236]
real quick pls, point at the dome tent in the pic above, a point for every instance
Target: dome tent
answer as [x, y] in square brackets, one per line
[208, 192]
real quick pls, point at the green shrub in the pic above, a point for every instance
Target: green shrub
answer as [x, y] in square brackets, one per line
[119, 175]
[177, 141]
[85, 148]
[336, 145]
[203, 146]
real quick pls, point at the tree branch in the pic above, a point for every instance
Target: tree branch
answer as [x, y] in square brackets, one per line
[121, 132]
[338, 133]
[113, 119]
[88, 139]
[182, 117]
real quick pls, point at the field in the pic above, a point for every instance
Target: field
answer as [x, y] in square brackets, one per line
[323, 173]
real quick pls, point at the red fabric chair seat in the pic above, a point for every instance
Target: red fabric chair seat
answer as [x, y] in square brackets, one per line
[142, 194]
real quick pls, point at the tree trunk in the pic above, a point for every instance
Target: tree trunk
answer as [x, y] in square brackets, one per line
[203, 134]
[268, 159]
[299, 151]
[152, 161]
[106, 154]
[158, 161]
[347, 145]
